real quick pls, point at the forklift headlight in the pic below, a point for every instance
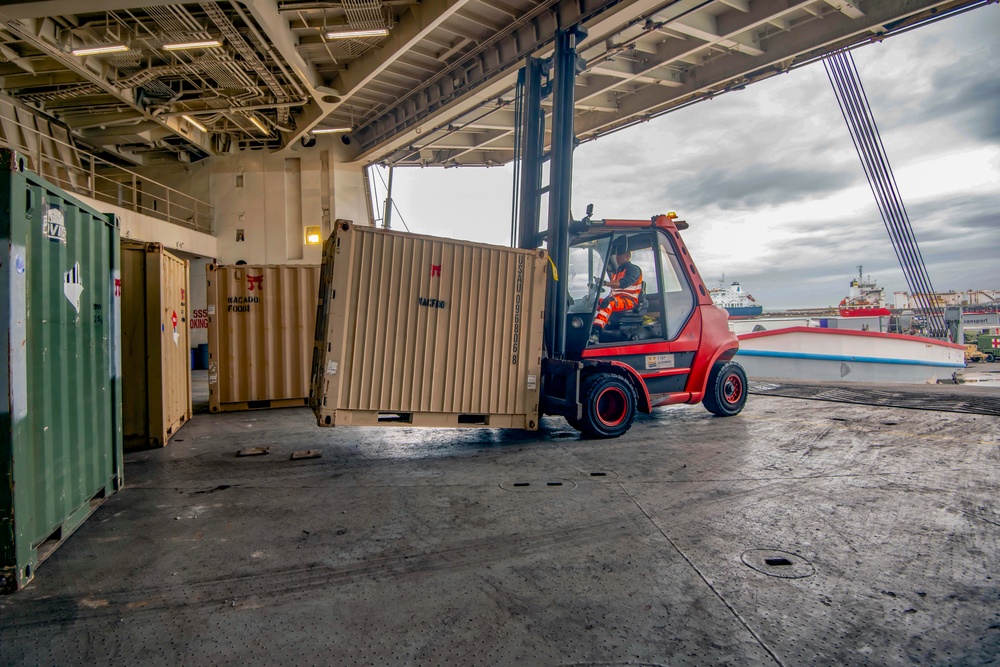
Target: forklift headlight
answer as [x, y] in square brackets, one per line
[576, 323]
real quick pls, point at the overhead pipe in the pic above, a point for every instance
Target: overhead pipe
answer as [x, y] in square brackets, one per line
[252, 107]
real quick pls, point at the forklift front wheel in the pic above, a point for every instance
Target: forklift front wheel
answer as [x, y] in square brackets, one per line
[609, 403]
[726, 391]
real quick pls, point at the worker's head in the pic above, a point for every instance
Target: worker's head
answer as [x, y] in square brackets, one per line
[620, 249]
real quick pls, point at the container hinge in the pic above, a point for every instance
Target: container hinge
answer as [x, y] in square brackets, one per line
[11, 160]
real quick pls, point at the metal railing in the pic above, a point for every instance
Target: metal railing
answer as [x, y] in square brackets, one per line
[85, 174]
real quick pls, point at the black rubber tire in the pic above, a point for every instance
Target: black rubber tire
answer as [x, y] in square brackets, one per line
[990, 358]
[609, 405]
[726, 390]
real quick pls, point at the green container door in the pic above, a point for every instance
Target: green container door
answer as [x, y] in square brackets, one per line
[61, 424]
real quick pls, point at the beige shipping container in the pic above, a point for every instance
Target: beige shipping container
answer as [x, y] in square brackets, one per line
[156, 355]
[426, 331]
[261, 327]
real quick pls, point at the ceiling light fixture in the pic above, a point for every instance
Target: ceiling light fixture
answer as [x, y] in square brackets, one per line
[354, 34]
[206, 44]
[98, 50]
[195, 123]
[259, 126]
[330, 130]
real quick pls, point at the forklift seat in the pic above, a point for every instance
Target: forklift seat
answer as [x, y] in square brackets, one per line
[631, 317]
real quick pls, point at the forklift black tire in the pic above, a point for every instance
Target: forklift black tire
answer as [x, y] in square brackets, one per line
[609, 404]
[726, 390]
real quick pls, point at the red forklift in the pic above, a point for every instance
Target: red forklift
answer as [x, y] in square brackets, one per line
[673, 345]
[665, 342]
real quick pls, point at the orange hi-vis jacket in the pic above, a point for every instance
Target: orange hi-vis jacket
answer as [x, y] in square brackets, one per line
[632, 291]
[621, 298]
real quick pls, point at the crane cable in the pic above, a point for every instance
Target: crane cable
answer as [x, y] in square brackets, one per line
[846, 82]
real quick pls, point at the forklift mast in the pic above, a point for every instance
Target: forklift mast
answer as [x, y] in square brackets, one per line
[561, 71]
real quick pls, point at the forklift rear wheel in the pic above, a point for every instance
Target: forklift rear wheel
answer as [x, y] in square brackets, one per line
[609, 403]
[726, 391]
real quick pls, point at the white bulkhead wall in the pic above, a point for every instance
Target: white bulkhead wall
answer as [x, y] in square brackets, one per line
[272, 197]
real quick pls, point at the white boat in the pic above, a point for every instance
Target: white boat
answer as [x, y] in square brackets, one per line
[738, 302]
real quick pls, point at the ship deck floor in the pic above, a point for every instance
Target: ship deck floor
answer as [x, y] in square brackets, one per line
[800, 532]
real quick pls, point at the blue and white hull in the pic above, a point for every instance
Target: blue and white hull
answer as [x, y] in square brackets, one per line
[736, 312]
[814, 354]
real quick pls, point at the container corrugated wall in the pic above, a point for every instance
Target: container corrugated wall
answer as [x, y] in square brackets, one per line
[427, 331]
[61, 445]
[261, 324]
[155, 347]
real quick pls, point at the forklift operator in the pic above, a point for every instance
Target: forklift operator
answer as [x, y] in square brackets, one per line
[626, 286]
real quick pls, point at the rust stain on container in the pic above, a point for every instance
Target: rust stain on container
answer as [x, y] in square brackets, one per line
[426, 331]
[155, 345]
[261, 323]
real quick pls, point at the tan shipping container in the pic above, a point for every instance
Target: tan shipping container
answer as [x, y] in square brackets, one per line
[156, 355]
[261, 327]
[426, 331]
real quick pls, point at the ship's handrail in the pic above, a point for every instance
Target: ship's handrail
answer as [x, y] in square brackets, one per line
[83, 173]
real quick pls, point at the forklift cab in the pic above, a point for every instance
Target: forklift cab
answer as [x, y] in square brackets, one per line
[666, 299]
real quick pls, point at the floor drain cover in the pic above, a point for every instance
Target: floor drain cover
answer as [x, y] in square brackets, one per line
[777, 563]
[538, 485]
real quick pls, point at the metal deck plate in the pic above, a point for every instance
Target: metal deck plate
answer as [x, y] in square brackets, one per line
[411, 546]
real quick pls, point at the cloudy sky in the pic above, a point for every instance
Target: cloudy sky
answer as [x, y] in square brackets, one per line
[771, 184]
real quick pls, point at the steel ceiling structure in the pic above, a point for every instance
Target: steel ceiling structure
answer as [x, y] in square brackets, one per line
[432, 86]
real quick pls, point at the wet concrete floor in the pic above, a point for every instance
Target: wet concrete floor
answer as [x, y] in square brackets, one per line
[800, 532]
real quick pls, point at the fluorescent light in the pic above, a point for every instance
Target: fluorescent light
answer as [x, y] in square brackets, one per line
[330, 130]
[195, 123]
[97, 50]
[353, 34]
[259, 126]
[206, 44]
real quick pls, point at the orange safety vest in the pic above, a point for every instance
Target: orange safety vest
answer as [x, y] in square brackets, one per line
[632, 291]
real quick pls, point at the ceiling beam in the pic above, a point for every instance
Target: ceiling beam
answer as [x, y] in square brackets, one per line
[36, 9]
[323, 99]
[40, 33]
[417, 22]
[808, 39]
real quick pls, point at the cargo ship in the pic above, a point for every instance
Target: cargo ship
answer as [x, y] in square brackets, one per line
[738, 304]
[866, 299]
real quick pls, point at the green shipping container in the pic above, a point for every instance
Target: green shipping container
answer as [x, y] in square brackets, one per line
[60, 428]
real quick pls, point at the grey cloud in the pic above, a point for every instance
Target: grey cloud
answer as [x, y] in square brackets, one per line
[755, 186]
